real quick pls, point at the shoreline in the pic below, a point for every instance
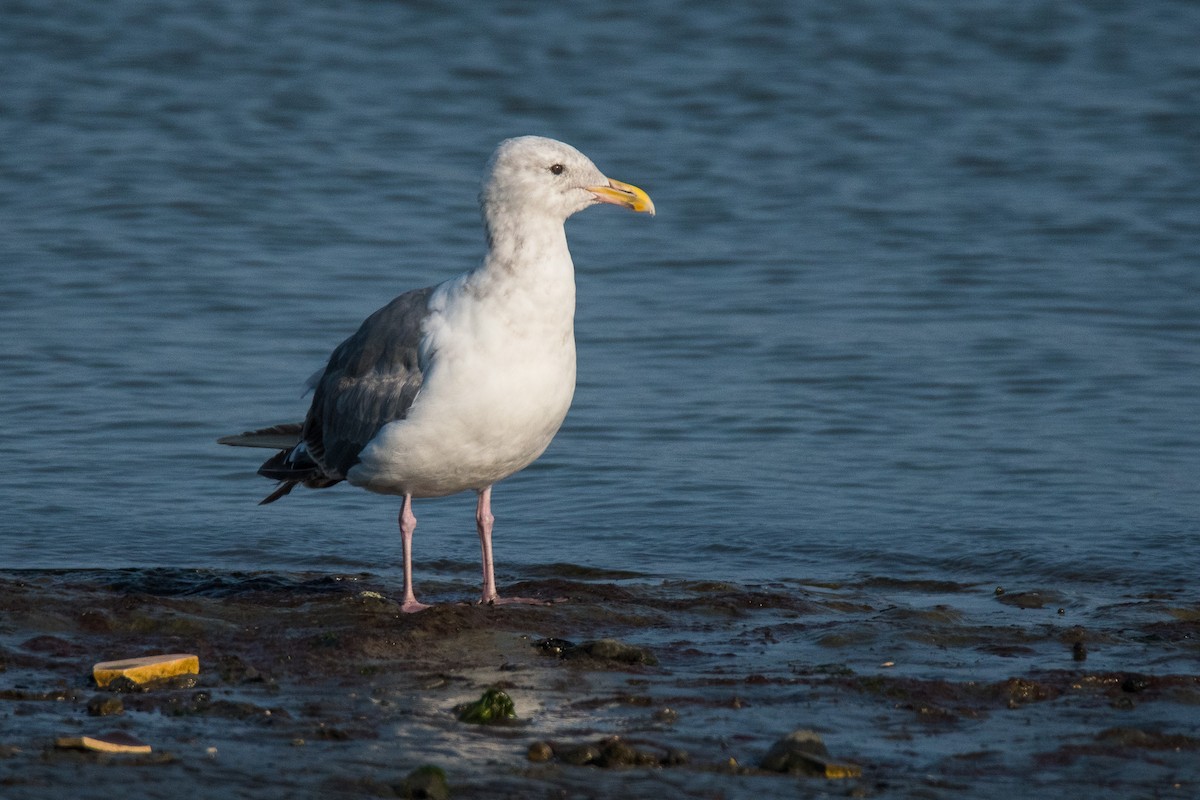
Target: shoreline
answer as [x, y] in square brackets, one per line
[316, 685]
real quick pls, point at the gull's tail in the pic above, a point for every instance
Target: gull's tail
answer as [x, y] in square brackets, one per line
[290, 466]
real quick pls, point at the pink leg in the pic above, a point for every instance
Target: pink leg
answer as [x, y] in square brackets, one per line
[408, 524]
[483, 522]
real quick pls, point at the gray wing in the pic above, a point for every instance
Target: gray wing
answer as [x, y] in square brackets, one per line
[371, 379]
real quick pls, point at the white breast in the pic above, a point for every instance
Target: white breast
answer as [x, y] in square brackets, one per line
[499, 377]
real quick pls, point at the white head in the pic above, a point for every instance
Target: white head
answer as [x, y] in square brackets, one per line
[535, 175]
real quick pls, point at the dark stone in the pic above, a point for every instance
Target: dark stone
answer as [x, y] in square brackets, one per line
[105, 705]
[233, 670]
[802, 752]
[614, 651]
[540, 751]
[123, 685]
[612, 752]
[675, 757]
[1021, 691]
[578, 754]
[1028, 600]
[1079, 651]
[616, 753]
[793, 753]
[425, 783]
[1134, 684]
[554, 647]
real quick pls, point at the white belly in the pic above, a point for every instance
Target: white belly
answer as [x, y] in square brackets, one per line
[494, 395]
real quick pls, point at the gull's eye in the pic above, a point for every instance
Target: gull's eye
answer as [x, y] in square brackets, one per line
[558, 169]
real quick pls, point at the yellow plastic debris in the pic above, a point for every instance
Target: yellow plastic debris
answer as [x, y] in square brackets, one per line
[146, 668]
[115, 742]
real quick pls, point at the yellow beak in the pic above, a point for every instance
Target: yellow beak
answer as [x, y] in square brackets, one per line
[624, 194]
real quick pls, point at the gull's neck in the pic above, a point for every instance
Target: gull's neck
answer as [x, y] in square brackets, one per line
[530, 249]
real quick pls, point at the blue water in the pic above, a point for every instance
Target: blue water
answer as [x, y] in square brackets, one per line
[922, 298]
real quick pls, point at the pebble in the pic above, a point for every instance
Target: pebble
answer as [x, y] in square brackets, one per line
[668, 716]
[540, 751]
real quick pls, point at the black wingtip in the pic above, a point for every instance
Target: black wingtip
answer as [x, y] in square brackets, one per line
[285, 487]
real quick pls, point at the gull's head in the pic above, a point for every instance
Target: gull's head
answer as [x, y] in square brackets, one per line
[535, 175]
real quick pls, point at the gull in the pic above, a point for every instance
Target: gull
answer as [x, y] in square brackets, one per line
[454, 387]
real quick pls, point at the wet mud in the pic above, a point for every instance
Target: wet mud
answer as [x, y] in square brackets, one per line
[622, 686]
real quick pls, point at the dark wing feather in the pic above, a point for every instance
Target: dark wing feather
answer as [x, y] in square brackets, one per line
[277, 437]
[371, 379]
